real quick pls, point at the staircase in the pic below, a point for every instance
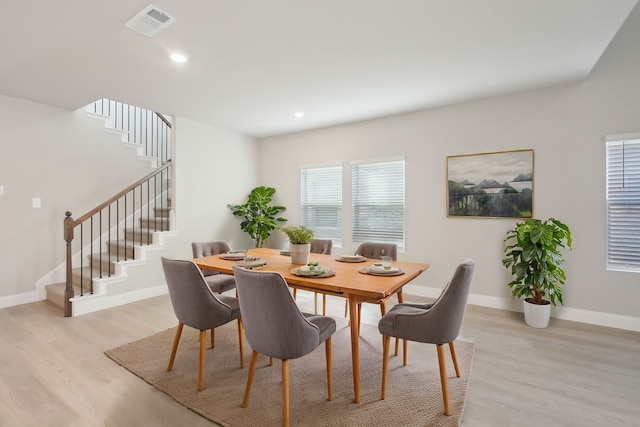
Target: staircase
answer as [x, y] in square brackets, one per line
[121, 233]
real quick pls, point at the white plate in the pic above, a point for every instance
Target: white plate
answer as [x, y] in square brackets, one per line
[309, 271]
[351, 257]
[233, 255]
[252, 264]
[381, 269]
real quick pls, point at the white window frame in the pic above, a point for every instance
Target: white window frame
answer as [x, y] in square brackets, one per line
[325, 195]
[385, 188]
[623, 202]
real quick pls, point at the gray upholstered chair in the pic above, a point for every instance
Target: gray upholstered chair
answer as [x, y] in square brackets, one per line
[437, 323]
[275, 327]
[218, 282]
[319, 246]
[197, 306]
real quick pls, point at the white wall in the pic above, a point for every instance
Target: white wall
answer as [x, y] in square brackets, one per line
[565, 126]
[213, 167]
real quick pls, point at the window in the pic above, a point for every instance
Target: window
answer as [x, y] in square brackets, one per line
[623, 203]
[377, 202]
[321, 201]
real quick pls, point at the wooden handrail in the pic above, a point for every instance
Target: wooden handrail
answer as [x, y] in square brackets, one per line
[112, 199]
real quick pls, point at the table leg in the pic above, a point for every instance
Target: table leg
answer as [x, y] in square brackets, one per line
[355, 346]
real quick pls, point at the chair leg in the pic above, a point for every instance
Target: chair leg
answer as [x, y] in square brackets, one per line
[400, 301]
[324, 304]
[327, 345]
[385, 365]
[455, 359]
[241, 342]
[213, 338]
[405, 351]
[295, 292]
[285, 391]
[315, 303]
[176, 340]
[443, 379]
[203, 340]
[252, 372]
[346, 307]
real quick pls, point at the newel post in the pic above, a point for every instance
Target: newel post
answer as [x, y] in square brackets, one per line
[68, 237]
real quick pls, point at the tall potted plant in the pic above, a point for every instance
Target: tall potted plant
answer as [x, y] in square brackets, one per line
[260, 218]
[533, 255]
[300, 238]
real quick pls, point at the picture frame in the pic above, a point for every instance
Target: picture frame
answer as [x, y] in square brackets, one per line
[491, 185]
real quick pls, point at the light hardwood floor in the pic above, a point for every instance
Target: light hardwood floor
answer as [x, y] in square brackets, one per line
[53, 371]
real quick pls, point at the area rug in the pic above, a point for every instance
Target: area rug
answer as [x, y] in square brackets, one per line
[414, 396]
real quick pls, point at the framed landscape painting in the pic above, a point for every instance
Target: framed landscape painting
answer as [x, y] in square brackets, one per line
[491, 185]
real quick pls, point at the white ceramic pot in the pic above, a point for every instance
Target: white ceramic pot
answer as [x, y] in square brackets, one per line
[299, 253]
[537, 315]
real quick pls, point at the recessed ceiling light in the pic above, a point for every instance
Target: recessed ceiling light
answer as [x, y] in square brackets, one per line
[177, 57]
[299, 114]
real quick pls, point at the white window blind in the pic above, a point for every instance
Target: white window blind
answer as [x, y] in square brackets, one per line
[623, 205]
[321, 201]
[377, 199]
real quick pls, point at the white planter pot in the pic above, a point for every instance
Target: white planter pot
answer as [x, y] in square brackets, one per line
[299, 253]
[537, 315]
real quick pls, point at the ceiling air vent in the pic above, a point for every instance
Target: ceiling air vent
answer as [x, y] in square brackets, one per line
[150, 20]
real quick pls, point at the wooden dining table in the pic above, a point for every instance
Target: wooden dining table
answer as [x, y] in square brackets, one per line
[347, 282]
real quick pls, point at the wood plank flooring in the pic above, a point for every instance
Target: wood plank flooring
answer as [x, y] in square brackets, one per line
[54, 372]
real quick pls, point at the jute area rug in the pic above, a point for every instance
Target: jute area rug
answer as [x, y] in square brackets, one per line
[414, 396]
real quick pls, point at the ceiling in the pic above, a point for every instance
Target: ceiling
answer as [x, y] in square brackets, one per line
[254, 63]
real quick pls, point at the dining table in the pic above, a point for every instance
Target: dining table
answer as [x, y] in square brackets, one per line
[343, 276]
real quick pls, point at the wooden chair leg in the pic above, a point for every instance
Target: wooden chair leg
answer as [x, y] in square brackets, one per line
[252, 372]
[455, 359]
[203, 340]
[385, 365]
[270, 361]
[213, 338]
[400, 301]
[315, 303]
[285, 392]
[324, 304]
[176, 340]
[443, 379]
[241, 342]
[346, 307]
[295, 292]
[405, 351]
[327, 345]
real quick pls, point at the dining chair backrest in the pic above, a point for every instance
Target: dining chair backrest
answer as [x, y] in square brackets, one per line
[274, 325]
[193, 301]
[203, 249]
[377, 250]
[321, 246]
[441, 323]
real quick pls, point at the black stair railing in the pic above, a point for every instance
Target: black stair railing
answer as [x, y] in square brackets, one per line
[120, 223]
[147, 128]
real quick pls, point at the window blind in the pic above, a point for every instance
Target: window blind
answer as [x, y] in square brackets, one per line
[321, 201]
[623, 205]
[378, 202]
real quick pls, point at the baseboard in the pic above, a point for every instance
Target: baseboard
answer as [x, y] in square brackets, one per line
[565, 313]
[90, 303]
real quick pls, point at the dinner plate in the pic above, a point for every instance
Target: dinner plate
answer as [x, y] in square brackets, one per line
[252, 263]
[300, 271]
[367, 270]
[380, 269]
[351, 258]
[233, 255]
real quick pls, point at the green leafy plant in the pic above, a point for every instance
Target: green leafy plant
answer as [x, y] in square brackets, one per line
[260, 218]
[533, 255]
[298, 235]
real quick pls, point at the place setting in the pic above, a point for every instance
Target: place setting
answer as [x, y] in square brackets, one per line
[234, 255]
[351, 258]
[251, 262]
[313, 269]
[382, 268]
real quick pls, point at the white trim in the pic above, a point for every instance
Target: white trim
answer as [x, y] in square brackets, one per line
[621, 137]
[565, 313]
[91, 303]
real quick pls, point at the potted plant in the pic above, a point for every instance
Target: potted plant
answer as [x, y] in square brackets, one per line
[300, 238]
[260, 218]
[533, 255]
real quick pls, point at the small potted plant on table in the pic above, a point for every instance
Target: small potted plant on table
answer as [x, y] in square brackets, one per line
[300, 238]
[533, 255]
